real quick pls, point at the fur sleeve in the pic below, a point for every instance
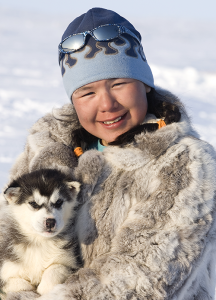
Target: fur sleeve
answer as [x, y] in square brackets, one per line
[48, 143]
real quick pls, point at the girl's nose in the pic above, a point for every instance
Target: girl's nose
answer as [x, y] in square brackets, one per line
[107, 102]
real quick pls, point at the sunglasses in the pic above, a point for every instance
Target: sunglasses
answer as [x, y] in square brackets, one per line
[102, 33]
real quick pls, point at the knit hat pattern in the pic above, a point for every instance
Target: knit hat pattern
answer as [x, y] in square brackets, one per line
[122, 57]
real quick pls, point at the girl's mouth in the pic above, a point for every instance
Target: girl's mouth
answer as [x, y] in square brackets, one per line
[114, 121]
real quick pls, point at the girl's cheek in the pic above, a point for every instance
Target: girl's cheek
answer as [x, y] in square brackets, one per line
[85, 114]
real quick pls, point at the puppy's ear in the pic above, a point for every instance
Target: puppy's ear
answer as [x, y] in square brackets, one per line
[74, 186]
[11, 194]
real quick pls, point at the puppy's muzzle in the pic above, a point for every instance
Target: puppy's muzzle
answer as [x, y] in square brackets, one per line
[50, 223]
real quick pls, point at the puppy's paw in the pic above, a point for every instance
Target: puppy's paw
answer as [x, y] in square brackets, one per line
[52, 276]
[44, 287]
[17, 284]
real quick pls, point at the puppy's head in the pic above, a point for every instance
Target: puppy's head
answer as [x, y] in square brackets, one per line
[43, 201]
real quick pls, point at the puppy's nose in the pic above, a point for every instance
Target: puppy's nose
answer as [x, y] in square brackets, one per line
[50, 223]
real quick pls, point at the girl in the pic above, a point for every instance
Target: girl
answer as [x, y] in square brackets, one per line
[146, 225]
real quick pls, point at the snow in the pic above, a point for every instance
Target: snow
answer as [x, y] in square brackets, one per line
[198, 92]
[182, 56]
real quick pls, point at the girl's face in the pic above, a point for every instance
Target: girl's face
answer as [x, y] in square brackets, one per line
[110, 107]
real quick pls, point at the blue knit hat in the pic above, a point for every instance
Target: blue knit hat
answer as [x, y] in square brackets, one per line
[122, 57]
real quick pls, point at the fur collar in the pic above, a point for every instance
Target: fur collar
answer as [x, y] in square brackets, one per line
[149, 145]
[63, 121]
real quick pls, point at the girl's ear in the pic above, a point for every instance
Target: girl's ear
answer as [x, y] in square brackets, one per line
[147, 88]
[11, 194]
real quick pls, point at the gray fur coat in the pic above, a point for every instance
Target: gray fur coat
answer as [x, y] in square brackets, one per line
[147, 221]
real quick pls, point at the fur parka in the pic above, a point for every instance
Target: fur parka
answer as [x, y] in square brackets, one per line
[146, 226]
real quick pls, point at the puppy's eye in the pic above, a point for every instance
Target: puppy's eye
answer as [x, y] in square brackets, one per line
[35, 205]
[58, 203]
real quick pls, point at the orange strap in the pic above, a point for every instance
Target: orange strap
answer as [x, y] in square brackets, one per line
[161, 123]
[78, 151]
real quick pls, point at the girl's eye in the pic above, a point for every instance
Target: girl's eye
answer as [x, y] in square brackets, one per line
[88, 94]
[118, 83]
[35, 205]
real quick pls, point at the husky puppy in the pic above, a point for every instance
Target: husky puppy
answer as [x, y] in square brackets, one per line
[38, 247]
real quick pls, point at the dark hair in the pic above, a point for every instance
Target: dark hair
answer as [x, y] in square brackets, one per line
[158, 104]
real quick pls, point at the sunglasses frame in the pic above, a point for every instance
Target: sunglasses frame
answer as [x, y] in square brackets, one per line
[122, 29]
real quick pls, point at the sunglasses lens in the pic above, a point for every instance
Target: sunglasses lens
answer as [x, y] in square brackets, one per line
[106, 32]
[74, 42]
